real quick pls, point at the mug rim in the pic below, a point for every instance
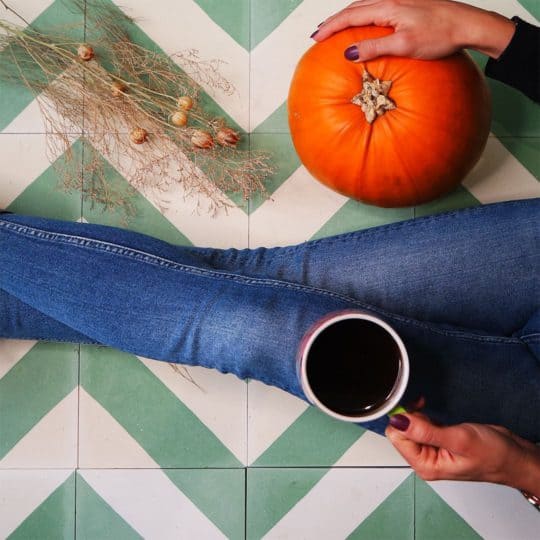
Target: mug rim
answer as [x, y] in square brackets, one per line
[399, 386]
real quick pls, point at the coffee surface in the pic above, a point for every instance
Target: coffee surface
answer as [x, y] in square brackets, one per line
[353, 366]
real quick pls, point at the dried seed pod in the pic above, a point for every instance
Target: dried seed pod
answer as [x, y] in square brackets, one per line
[179, 118]
[138, 135]
[85, 52]
[118, 88]
[227, 137]
[185, 103]
[202, 139]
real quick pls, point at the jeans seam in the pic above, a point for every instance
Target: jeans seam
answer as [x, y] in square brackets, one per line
[130, 253]
[391, 227]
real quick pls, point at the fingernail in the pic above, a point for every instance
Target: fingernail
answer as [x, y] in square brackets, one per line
[352, 53]
[320, 24]
[400, 421]
[314, 34]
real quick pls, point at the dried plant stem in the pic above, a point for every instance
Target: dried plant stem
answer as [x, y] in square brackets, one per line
[8, 8]
[145, 98]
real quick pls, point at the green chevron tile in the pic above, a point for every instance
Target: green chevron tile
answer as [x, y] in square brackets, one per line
[286, 161]
[139, 37]
[513, 114]
[166, 429]
[532, 6]
[14, 97]
[232, 16]
[267, 16]
[218, 493]
[392, 519]
[435, 520]
[354, 216]
[526, 150]
[140, 216]
[460, 198]
[271, 493]
[32, 387]
[96, 519]
[277, 122]
[53, 519]
[45, 196]
[313, 439]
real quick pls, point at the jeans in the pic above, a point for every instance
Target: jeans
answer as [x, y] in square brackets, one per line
[462, 290]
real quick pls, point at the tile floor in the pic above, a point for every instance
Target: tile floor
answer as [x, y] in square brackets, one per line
[99, 444]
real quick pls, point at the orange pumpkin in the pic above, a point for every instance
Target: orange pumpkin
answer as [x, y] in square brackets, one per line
[409, 155]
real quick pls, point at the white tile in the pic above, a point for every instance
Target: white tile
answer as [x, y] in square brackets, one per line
[11, 351]
[338, 503]
[51, 442]
[296, 211]
[149, 502]
[274, 60]
[22, 491]
[499, 176]
[372, 450]
[104, 442]
[270, 412]
[23, 159]
[179, 26]
[495, 512]
[218, 400]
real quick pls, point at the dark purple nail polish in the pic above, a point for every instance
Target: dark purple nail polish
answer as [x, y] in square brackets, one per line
[314, 34]
[400, 421]
[352, 53]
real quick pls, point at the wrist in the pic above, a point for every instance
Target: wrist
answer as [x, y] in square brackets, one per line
[526, 475]
[486, 32]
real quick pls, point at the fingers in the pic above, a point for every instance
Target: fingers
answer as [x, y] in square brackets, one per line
[359, 13]
[419, 429]
[396, 44]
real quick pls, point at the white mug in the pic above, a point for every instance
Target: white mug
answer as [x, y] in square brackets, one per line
[396, 378]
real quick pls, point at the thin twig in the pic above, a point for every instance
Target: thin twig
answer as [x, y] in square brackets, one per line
[15, 13]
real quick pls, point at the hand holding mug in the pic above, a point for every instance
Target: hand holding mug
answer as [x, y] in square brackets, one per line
[476, 452]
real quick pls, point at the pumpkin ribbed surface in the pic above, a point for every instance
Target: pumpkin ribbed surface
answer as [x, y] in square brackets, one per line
[412, 154]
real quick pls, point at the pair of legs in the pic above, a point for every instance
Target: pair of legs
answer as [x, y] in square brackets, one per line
[462, 289]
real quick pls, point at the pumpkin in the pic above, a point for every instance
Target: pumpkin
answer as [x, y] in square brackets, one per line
[407, 155]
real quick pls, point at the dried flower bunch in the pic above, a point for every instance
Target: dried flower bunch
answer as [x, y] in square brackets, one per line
[143, 113]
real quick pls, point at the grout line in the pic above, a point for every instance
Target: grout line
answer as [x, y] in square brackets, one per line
[245, 501]
[79, 345]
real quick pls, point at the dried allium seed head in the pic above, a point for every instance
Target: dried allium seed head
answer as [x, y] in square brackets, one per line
[202, 139]
[227, 137]
[85, 52]
[185, 103]
[179, 118]
[138, 135]
[118, 88]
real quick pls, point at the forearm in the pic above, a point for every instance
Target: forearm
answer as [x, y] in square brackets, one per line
[486, 31]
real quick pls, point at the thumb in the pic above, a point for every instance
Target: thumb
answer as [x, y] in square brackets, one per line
[394, 45]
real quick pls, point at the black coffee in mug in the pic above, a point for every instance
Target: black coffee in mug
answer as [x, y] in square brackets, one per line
[353, 366]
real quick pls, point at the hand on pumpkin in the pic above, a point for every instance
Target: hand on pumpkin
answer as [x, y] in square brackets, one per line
[424, 29]
[466, 452]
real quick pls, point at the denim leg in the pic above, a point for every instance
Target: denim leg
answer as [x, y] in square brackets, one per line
[21, 321]
[475, 268]
[128, 295]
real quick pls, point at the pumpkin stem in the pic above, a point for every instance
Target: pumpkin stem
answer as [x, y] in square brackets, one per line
[373, 99]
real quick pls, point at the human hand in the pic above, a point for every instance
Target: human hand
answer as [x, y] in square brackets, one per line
[477, 452]
[424, 29]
